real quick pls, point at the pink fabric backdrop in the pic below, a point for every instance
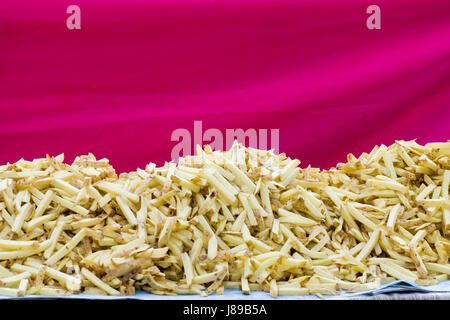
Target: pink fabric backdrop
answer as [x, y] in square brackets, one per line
[137, 70]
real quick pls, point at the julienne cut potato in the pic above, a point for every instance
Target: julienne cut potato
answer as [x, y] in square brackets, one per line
[244, 218]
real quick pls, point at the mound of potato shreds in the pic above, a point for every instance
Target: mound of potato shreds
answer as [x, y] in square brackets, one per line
[244, 218]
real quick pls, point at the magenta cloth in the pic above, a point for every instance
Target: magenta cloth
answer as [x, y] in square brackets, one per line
[138, 70]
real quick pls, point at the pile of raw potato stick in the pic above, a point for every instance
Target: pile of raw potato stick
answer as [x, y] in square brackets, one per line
[243, 218]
